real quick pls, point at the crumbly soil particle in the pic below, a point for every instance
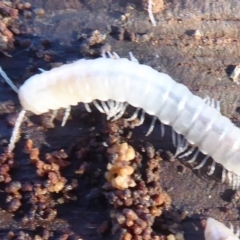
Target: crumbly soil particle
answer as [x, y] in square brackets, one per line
[8, 17]
[52, 187]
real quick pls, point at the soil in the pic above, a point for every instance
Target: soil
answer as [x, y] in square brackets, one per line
[195, 42]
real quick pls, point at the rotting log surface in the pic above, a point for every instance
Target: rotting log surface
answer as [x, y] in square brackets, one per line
[202, 63]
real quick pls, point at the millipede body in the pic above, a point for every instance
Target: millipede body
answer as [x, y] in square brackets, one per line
[122, 80]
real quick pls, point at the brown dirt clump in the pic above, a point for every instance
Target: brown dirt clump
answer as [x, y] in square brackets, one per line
[133, 190]
[8, 14]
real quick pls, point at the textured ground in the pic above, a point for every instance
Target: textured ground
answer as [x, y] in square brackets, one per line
[202, 62]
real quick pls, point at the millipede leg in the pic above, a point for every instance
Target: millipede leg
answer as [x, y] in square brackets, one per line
[142, 118]
[119, 108]
[115, 55]
[182, 145]
[193, 159]
[99, 108]
[218, 107]
[231, 227]
[66, 115]
[162, 129]
[203, 162]
[238, 182]
[114, 108]
[178, 145]
[134, 116]
[151, 126]
[103, 54]
[41, 70]
[212, 168]
[206, 100]
[174, 138]
[234, 182]
[132, 58]
[8, 80]
[212, 102]
[150, 13]
[111, 104]
[238, 231]
[230, 178]
[224, 173]
[233, 179]
[121, 112]
[110, 55]
[16, 130]
[189, 152]
[54, 114]
[87, 107]
[105, 107]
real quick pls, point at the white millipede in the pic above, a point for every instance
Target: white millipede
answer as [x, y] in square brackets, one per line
[119, 82]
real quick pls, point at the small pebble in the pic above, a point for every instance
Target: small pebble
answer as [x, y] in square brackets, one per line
[39, 11]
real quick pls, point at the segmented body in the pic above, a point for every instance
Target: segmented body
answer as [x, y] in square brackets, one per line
[143, 87]
[119, 81]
